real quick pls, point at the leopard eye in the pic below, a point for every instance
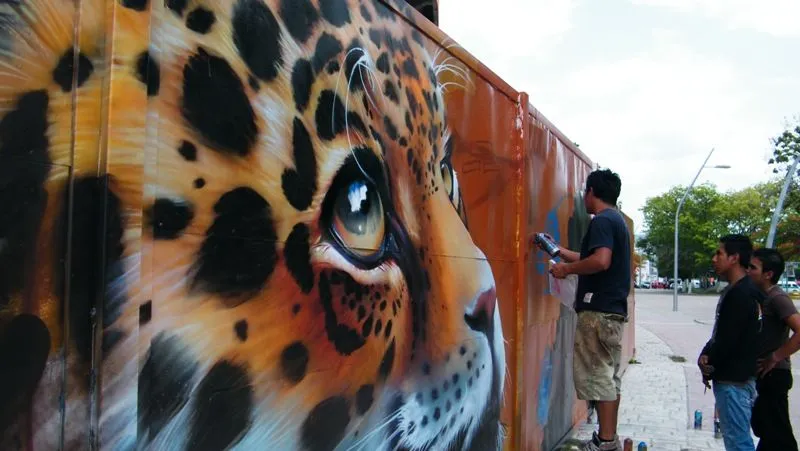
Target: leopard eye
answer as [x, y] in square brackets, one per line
[358, 218]
[447, 177]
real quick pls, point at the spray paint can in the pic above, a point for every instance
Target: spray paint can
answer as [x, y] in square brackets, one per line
[627, 445]
[698, 419]
[642, 446]
[546, 244]
[717, 427]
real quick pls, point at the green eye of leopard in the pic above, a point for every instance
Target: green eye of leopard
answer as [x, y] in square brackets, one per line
[358, 218]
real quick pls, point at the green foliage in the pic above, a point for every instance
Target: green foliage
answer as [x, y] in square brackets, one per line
[708, 214]
[786, 147]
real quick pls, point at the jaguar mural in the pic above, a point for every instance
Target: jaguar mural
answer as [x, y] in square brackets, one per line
[236, 224]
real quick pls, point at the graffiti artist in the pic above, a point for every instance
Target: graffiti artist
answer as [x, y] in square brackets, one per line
[603, 267]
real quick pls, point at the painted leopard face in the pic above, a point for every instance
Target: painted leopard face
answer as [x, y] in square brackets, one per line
[286, 255]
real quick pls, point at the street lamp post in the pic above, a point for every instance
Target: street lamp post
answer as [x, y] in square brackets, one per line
[777, 213]
[677, 214]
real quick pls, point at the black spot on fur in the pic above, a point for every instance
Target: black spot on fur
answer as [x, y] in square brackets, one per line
[24, 348]
[366, 329]
[356, 75]
[330, 115]
[365, 13]
[388, 331]
[226, 388]
[253, 82]
[336, 12]
[325, 425]
[65, 70]
[95, 260]
[364, 398]
[177, 6]
[199, 182]
[300, 17]
[390, 91]
[345, 339]
[241, 330]
[391, 130]
[148, 72]
[164, 383]
[188, 151]
[111, 338]
[417, 36]
[409, 124]
[382, 63]
[410, 68]
[239, 252]
[210, 86]
[200, 20]
[297, 254]
[169, 218]
[294, 361]
[386, 363]
[302, 80]
[256, 35]
[300, 184]
[328, 47]
[376, 37]
[145, 313]
[412, 102]
[24, 168]
[136, 5]
[333, 67]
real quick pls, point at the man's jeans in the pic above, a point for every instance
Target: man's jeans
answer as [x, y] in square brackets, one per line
[735, 405]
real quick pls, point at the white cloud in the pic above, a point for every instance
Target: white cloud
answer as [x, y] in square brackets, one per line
[775, 17]
[506, 32]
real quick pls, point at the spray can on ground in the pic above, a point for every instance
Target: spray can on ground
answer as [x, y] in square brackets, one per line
[642, 446]
[717, 427]
[698, 419]
[627, 445]
[547, 245]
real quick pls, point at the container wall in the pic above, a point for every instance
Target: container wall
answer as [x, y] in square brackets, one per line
[238, 223]
[224, 224]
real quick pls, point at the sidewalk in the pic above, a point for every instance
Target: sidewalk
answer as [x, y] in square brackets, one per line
[654, 406]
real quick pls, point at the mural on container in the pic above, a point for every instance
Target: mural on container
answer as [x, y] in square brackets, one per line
[231, 224]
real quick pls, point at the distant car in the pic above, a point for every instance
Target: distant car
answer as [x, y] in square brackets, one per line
[791, 288]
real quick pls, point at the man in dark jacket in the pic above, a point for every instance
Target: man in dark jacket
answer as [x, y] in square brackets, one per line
[729, 357]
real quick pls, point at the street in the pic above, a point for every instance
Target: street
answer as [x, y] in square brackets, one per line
[685, 332]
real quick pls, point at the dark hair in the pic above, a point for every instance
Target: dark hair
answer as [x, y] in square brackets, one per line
[771, 260]
[738, 245]
[605, 185]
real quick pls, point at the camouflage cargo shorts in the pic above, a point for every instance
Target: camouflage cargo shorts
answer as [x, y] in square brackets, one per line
[598, 350]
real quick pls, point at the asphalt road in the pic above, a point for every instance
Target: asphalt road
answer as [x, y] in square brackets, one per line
[686, 331]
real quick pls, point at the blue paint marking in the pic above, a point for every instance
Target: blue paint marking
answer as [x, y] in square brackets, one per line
[553, 227]
[545, 384]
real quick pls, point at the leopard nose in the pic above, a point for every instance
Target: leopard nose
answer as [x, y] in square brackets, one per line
[480, 314]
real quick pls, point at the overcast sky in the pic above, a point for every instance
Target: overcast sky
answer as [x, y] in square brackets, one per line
[647, 87]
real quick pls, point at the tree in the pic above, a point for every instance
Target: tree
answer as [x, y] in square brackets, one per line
[707, 214]
[700, 228]
[786, 147]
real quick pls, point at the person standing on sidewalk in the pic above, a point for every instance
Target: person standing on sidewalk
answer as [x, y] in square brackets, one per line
[604, 274]
[771, 410]
[729, 357]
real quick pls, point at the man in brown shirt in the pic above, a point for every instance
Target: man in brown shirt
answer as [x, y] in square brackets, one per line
[770, 420]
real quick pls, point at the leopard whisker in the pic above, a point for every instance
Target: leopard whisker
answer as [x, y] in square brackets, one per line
[362, 441]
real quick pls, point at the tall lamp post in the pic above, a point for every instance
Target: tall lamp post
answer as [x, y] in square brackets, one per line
[677, 214]
[777, 213]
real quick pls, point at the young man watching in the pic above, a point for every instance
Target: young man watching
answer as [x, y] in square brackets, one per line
[771, 410]
[603, 267]
[729, 357]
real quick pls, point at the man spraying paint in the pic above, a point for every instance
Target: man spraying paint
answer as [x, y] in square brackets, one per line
[603, 267]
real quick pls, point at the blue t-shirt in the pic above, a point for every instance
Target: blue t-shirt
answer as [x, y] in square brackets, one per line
[609, 288]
